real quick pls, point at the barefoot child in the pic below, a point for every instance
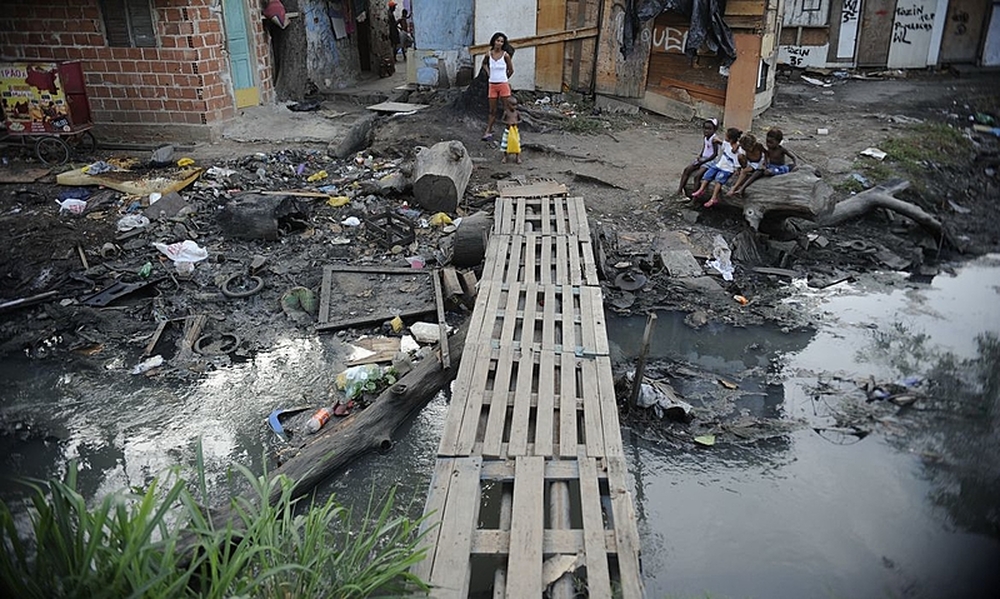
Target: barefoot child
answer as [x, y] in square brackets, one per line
[775, 165]
[709, 152]
[511, 145]
[752, 162]
[720, 172]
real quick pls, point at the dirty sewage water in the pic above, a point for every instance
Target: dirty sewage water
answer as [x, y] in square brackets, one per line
[910, 510]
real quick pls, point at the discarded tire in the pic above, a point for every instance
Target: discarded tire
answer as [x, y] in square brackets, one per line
[240, 285]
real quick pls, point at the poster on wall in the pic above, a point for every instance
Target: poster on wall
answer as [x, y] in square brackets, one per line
[33, 99]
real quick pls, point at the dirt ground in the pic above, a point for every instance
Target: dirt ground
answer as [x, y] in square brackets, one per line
[625, 166]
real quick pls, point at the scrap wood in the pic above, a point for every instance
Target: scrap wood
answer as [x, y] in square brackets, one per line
[296, 193]
[381, 349]
[442, 323]
[140, 184]
[27, 301]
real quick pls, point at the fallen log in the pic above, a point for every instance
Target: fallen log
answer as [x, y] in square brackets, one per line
[803, 194]
[371, 429]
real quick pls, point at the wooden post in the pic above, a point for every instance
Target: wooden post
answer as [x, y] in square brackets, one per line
[641, 366]
[742, 87]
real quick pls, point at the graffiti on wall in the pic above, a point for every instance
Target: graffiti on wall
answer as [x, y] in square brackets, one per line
[803, 56]
[849, 17]
[669, 39]
[960, 21]
[910, 19]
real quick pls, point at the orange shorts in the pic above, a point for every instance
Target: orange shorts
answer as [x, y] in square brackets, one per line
[499, 90]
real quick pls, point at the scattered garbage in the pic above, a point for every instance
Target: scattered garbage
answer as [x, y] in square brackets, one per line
[862, 180]
[162, 156]
[351, 221]
[722, 258]
[875, 153]
[661, 397]
[321, 417]
[131, 221]
[822, 131]
[958, 208]
[184, 254]
[71, 205]
[147, 365]
[317, 176]
[426, 332]
[363, 378]
[98, 167]
[705, 440]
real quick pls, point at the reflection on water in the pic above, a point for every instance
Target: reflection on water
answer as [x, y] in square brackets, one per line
[912, 511]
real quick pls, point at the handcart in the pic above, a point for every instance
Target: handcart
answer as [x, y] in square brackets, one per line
[45, 104]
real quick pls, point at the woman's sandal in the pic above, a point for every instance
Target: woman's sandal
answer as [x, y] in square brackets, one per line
[710, 203]
[697, 194]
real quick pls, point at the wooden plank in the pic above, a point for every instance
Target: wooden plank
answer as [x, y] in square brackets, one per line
[626, 533]
[542, 40]
[503, 470]
[618, 76]
[530, 259]
[573, 270]
[520, 213]
[609, 412]
[497, 419]
[568, 318]
[460, 426]
[598, 576]
[592, 309]
[442, 323]
[589, 263]
[526, 529]
[545, 412]
[437, 495]
[534, 190]
[548, 340]
[496, 542]
[546, 263]
[520, 428]
[544, 210]
[451, 572]
[551, 18]
[742, 85]
[592, 421]
[568, 445]
[324, 295]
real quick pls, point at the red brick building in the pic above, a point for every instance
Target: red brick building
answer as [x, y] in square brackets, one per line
[171, 69]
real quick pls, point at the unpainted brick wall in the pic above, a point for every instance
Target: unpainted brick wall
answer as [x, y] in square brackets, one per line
[183, 81]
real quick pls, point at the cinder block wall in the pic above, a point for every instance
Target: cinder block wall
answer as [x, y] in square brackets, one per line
[179, 90]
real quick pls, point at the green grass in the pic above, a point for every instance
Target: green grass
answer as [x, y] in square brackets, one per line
[160, 543]
[917, 153]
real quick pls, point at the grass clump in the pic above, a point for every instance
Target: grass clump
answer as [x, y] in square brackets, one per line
[161, 543]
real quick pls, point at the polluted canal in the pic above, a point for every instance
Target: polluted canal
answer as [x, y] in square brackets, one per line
[856, 458]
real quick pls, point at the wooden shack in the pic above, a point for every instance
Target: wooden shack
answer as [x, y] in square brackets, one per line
[575, 45]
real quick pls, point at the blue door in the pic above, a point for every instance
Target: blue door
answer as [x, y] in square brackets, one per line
[240, 57]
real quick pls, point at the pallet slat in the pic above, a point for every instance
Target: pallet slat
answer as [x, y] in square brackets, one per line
[525, 559]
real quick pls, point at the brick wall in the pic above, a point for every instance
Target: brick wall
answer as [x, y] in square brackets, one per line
[180, 89]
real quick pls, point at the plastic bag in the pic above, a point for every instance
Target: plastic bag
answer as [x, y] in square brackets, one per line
[722, 255]
[183, 251]
[357, 379]
[132, 221]
[73, 206]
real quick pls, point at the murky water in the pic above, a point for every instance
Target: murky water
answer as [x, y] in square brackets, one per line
[908, 511]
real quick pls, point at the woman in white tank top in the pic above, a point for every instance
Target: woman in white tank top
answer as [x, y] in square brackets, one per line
[500, 67]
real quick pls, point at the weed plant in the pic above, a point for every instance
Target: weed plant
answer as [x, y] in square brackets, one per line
[162, 543]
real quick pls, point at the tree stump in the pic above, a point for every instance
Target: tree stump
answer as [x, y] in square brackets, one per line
[440, 176]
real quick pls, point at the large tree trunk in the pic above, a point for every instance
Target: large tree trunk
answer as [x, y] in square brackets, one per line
[288, 47]
[803, 194]
[440, 176]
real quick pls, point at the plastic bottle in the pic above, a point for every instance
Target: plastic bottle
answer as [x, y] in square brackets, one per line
[318, 420]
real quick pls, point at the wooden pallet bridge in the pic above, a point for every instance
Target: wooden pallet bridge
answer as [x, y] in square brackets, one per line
[530, 494]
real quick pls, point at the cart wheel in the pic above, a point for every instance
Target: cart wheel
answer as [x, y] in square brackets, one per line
[52, 150]
[84, 144]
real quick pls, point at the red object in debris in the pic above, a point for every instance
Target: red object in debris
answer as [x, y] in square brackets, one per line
[275, 12]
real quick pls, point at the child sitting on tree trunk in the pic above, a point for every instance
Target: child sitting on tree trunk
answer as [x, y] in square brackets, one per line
[753, 161]
[709, 151]
[511, 144]
[720, 172]
[775, 165]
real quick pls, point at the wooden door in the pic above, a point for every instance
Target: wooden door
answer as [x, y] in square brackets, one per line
[241, 61]
[616, 75]
[963, 29]
[877, 17]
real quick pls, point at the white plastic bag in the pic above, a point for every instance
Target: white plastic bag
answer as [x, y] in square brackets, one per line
[71, 205]
[183, 251]
[132, 221]
[355, 380]
[722, 255]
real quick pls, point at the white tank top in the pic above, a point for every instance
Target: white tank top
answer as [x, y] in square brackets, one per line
[498, 70]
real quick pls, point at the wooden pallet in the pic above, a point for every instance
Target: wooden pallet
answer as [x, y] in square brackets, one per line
[541, 259]
[542, 215]
[571, 514]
